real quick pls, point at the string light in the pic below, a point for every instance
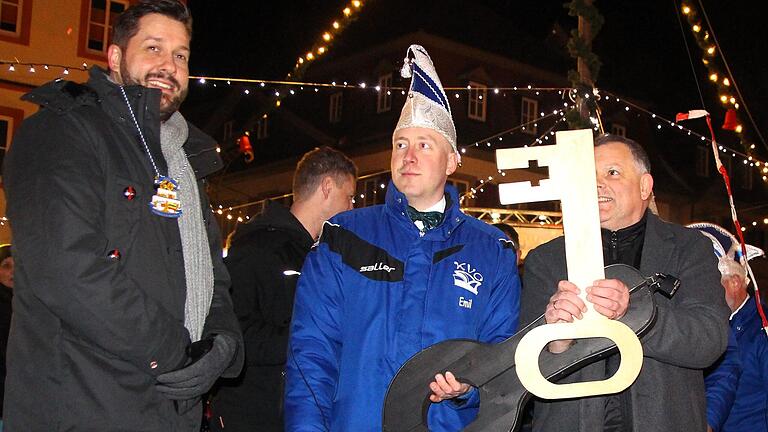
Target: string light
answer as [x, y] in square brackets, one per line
[734, 153]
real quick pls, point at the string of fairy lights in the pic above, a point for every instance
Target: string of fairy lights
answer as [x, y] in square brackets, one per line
[293, 87]
[325, 40]
[728, 91]
[235, 212]
[760, 166]
[32, 68]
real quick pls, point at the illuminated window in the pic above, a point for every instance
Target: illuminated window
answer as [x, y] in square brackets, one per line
[101, 16]
[384, 99]
[335, 108]
[528, 114]
[478, 95]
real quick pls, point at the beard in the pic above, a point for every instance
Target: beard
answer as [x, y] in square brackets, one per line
[169, 104]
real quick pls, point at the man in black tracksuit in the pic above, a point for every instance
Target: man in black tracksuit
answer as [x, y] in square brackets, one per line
[264, 261]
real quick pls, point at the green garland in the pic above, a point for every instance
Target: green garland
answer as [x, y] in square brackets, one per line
[580, 48]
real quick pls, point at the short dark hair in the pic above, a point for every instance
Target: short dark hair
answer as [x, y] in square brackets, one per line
[127, 24]
[319, 163]
[638, 153]
[511, 234]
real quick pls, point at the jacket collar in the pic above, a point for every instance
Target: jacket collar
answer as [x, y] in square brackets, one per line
[747, 313]
[397, 204]
[278, 217]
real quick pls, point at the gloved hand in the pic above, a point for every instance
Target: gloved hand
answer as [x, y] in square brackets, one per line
[197, 378]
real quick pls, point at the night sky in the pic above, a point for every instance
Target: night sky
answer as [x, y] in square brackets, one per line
[641, 44]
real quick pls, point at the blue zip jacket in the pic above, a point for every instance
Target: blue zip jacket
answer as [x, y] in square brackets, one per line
[720, 383]
[374, 292]
[750, 409]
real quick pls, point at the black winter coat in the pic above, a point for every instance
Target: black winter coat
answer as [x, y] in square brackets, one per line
[264, 260]
[100, 286]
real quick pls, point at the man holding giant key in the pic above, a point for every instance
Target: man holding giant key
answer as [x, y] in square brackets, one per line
[691, 328]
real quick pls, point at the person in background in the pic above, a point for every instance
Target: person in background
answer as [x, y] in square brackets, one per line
[264, 261]
[513, 236]
[737, 389]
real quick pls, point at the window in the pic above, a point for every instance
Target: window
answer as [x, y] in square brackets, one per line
[9, 119]
[702, 161]
[15, 16]
[372, 191]
[384, 98]
[226, 135]
[477, 99]
[101, 16]
[335, 108]
[528, 115]
[747, 177]
[10, 16]
[619, 129]
[261, 128]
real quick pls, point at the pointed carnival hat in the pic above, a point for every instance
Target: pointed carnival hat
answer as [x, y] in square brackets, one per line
[427, 105]
[730, 259]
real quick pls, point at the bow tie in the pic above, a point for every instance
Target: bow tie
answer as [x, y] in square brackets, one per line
[429, 219]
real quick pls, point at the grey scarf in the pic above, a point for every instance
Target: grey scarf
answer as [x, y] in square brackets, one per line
[198, 266]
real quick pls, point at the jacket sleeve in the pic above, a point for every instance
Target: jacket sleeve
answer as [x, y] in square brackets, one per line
[55, 185]
[539, 284]
[721, 381]
[500, 323]
[312, 370]
[221, 316]
[691, 329]
[263, 298]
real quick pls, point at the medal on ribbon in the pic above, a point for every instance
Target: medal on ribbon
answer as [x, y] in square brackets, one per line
[165, 202]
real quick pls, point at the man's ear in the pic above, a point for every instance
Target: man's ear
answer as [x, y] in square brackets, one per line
[453, 163]
[114, 56]
[326, 184]
[646, 186]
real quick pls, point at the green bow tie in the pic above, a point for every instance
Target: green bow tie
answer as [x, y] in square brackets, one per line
[429, 219]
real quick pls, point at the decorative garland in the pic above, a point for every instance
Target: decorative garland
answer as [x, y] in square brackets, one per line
[581, 48]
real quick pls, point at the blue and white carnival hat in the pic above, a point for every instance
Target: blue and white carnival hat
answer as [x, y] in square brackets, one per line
[727, 248]
[427, 105]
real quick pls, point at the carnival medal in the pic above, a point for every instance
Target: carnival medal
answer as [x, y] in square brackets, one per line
[165, 202]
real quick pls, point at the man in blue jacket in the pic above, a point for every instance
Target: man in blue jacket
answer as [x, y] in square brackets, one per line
[387, 281]
[745, 407]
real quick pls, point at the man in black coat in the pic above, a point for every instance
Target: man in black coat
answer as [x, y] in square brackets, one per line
[265, 258]
[122, 317]
[690, 331]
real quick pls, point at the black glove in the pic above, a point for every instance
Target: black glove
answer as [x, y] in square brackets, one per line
[197, 378]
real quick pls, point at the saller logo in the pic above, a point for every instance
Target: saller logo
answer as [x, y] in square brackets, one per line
[467, 277]
[376, 267]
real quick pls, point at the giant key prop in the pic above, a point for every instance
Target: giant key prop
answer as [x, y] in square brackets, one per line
[505, 374]
[572, 181]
